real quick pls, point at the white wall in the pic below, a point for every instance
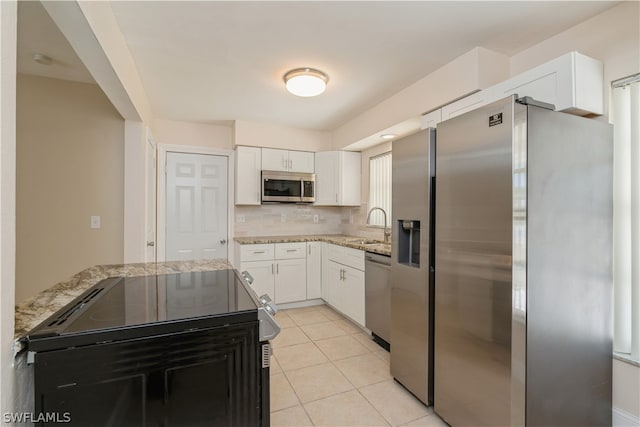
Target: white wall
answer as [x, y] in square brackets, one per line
[477, 69]
[8, 23]
[269, 135]
[175, 132]
[626, 389]
[134, 191]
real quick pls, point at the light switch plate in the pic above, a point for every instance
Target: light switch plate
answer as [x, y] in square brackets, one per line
[95, 221]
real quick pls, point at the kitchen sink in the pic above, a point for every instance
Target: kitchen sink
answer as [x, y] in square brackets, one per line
[365, 242]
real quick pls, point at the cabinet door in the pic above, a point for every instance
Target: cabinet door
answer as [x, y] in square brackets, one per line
[275, 160]
[291, 280]
[333, 284]
[263, 273]
[326, 178]
[349, 179]
[325, 272]
[314, 270]
[352, 293]
[247, 173]
[301, 161]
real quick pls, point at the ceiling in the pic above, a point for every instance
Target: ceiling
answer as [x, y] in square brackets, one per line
[216, 61]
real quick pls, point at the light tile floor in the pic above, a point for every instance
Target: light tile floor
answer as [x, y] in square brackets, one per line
[326, 371]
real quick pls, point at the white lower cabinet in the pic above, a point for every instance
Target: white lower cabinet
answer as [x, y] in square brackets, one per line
[343, 286]
[263, 278]
[283, 276]
[290, 280]
[294, 272]
[314, 270]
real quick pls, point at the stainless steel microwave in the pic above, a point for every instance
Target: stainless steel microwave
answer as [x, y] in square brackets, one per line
[288, 187]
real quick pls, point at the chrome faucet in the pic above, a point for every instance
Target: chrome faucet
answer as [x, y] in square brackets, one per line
[387, 232]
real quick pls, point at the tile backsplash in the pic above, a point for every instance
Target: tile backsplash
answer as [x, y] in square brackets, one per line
[286, 220]
[291, 219]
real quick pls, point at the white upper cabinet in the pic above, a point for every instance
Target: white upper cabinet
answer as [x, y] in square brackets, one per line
[247, 175]
[338, 178]
[573, 83]
[302, 161]
[275, 160]
[287, 160]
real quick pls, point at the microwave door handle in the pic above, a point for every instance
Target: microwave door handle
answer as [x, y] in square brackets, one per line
[301, 189]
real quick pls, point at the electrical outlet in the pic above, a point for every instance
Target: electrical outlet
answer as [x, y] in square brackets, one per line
[283, 217]
[95, 221]
[240, 218]
[315, 218]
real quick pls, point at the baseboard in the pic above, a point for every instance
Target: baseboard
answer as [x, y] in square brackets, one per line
[624, 419]
[300, 304]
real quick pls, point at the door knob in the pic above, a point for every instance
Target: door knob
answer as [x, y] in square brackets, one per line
[151, 244]
[223, 241]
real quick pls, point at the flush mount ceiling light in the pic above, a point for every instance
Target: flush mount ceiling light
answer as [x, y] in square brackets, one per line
[306, 81]
[43, 59]
[388, 136]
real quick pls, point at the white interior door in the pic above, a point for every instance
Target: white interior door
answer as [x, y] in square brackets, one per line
[196, 210]
[150, 204]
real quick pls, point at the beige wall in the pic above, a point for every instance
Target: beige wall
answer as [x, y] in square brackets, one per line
[194, 134]
[69, 166]
[270, 135]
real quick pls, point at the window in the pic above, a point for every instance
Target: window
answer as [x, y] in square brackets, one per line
[380, 188]
[625, 113]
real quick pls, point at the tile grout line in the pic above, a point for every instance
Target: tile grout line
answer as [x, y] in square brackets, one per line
[333, 363]
[355, 388]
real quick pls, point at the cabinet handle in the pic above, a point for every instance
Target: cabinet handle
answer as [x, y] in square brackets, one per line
[284, 163]
[336, 197]
[256, 252]
[277, 268]
[309, 248]
[272, 269]
[292, 250]
[290, 164]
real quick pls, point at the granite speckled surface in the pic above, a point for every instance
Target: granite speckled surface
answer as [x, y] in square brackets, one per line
[354, 242]
[36, 309]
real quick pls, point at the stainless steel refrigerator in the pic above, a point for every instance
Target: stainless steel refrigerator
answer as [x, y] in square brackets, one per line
[523, 268]
[413, 170]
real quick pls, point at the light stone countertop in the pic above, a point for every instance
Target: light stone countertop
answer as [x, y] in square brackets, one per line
[33, 311]
[354, 242]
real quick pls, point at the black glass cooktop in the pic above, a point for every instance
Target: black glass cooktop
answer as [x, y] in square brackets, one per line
[126, 302]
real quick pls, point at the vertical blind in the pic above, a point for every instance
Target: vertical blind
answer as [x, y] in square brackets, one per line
[380, 188]
[625, 112]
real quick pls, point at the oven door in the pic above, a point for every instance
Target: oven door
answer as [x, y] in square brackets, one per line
[282, 187]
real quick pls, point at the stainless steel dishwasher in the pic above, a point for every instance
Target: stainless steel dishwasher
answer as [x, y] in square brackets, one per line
[377, 275]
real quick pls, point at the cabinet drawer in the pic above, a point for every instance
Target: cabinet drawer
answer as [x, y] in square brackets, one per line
[291, 250]
[262, 252]
[353, 258]
[346, 256]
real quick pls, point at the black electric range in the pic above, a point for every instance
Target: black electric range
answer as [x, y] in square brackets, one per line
[185, 349]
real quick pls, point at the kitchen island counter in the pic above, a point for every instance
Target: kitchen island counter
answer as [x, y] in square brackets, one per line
[34, 310]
